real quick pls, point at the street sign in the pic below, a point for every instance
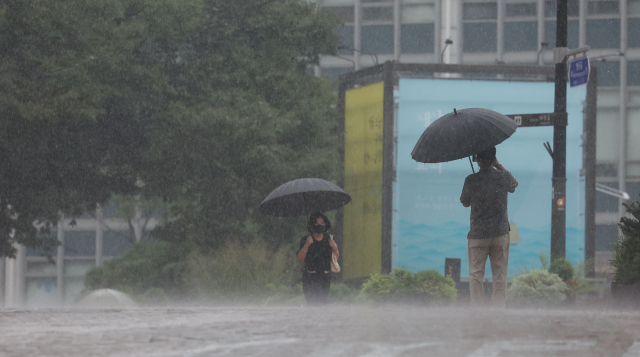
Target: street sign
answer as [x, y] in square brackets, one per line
[541, 119]
[579, 72]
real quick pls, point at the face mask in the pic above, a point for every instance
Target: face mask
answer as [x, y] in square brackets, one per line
[319, 229]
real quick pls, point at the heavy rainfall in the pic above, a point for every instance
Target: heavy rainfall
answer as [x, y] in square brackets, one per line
[320, 178]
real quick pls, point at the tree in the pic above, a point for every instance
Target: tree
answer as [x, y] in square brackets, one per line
[204, 101]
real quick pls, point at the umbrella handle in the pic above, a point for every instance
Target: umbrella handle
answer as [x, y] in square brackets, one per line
[471, 163]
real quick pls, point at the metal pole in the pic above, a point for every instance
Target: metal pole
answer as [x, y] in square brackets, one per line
[60, 261]
[559, 180]
[99, 235]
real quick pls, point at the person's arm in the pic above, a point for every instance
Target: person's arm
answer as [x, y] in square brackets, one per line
[465, 197]
[334, 248]
[303, 250]
[512, 182]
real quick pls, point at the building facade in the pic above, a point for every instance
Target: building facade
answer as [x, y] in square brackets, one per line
[518, 32]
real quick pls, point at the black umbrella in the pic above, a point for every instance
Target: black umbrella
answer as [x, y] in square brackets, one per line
[463, 133]
[302, 197]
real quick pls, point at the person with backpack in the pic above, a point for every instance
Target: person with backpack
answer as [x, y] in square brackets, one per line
[316, 251]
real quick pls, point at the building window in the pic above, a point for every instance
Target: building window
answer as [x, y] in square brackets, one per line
[608, 73]
[606, 235]
[633, 23]
[573, 26]
[603, 24]
[345, 11]
[633, 73]
[607, 136]
[417, 28]
[480, 29]
[377, 26]
[520, 27]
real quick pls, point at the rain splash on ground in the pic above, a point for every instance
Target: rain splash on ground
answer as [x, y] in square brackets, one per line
[323, 332]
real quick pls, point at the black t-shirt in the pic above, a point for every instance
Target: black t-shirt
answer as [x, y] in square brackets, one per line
[319, 254]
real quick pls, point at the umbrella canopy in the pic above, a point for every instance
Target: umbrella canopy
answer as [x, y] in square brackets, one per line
[105, 298]
[302, 197]
[463, 133]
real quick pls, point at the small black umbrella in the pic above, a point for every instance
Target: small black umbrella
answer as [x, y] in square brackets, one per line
[302, 197]
[463, 133]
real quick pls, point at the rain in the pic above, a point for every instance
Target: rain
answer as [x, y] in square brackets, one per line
[319, 178]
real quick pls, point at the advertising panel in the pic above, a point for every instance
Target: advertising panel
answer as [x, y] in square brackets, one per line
[362, 223]
[429, 222]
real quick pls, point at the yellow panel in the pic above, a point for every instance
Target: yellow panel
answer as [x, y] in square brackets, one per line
[362, 242]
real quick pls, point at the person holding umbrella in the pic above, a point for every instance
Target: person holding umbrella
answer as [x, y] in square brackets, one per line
[486, 193]
[316, 251]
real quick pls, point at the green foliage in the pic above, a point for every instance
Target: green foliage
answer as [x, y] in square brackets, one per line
[204, 101]
[403, 286]
[241, 272]
[543, 255]
[153, 297]
[562, 268]
[144, 266]
[626, 251]
[536, 288]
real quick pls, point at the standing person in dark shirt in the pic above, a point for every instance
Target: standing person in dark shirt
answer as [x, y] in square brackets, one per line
[315, 251]
[486, 192]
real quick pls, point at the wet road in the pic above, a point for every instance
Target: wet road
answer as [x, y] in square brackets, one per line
[330, 331]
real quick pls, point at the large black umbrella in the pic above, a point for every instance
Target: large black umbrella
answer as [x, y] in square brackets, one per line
[302, 197]
[463, 133]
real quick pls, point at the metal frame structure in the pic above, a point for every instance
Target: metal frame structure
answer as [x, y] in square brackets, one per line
[391, 71]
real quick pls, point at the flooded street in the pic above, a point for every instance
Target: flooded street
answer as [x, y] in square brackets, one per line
[330, 331]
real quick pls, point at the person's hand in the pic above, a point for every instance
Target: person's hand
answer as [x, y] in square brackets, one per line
[333, 245]
[309, 241]
[497, 164]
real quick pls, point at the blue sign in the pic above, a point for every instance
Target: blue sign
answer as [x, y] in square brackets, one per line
[429, 222]
[579, 72]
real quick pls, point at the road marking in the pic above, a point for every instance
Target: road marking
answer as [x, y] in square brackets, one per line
[363, 349]
[494, 348]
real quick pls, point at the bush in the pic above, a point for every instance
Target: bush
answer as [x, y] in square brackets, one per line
[142, 267]
[562, 268]
[537, 288]
[403, 286]
[626, 251]
[343, 293]
[241, 272]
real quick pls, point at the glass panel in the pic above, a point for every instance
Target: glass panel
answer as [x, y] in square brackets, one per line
[369, 1]
[77, 267]
[406, 2]
[334, 73]
[608, 73]
[41, 268]
[114, 244]
[606, 170]
[633, 133]
[573, 32]
[480, 11]
[337, 2]
[603, 7]
[633, 28]
[603, 33]
[521, 36]
[347, 40]
[633, 73]
[607, 135]
[606, 235]
[377, 13]
[377, 39]
[520, 10]
[480, 37]
[605, 202]
[633, 8]
[418, 14]
[417, 38]
[633, 189]
[573, 7]
[41, 292]
[79, 243]
[344, 13]
[633, 97]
